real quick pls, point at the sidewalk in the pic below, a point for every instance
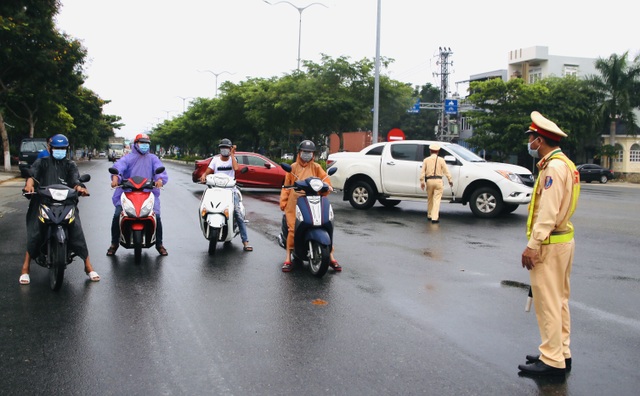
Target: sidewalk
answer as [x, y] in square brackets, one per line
[14, 174]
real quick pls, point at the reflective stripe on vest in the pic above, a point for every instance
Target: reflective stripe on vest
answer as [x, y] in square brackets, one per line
[564, 237]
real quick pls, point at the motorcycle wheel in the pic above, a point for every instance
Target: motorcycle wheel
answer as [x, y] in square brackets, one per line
[319, 260]
[137, 246]
[58, 254]
[214, 234]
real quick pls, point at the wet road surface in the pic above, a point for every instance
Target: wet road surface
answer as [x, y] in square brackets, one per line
[419, 308]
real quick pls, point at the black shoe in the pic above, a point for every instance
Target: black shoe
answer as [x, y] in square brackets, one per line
[540, 368]
[435, 221]
[536, 358]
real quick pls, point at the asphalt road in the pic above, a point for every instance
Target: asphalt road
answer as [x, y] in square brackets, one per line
[419, 308]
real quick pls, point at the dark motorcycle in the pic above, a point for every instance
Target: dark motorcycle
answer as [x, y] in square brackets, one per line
[57, 209]
[313, 236]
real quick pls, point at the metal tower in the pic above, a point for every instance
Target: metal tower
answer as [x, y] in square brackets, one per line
[444, 62]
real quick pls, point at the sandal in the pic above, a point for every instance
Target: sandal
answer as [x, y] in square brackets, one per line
[93, 276]
[112, 250]
[248, 248]
[162, 250]
[336, 267]
[25, 279]
[286, 267]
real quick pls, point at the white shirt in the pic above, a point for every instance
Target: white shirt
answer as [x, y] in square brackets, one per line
[220, 166]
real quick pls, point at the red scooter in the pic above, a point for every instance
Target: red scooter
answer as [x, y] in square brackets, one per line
[137, 219]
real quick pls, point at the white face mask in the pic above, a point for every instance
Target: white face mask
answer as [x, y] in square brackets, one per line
[532, 152]
[306, 156]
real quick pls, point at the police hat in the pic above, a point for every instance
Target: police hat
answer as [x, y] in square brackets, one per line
[544, 127]
[434, 147]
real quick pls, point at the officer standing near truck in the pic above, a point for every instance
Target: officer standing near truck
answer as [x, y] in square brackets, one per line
[550, 249]
[433, 169]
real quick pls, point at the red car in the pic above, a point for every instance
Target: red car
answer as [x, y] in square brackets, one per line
[262, 173]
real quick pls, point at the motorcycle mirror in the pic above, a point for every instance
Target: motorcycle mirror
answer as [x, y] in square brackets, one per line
[84, 178]
[159, 170]
[331, 171]
[286, 167]
[113, 171]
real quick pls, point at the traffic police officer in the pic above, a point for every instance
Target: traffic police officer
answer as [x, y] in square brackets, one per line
[550, 249]
[433, 169]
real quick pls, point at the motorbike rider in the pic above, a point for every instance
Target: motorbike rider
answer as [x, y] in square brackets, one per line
[54, 169]
[227, 164]
[302, 168]
[139, 162]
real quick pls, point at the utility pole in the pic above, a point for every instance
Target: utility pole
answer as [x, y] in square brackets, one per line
[444, 62]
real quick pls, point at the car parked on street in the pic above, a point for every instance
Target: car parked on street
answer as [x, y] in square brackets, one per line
[593, 172]
[29, 150]
[262, 172]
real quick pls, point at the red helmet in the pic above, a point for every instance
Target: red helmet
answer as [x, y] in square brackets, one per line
[142, 137]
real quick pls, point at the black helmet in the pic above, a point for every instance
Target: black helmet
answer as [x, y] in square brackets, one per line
[225, 143]
[307, 145]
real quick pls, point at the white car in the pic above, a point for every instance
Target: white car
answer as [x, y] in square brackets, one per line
[287, 156]
[388, 172]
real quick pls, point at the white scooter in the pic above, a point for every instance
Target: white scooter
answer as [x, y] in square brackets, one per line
[216, 215]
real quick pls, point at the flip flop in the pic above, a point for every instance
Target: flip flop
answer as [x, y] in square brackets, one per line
[93, 276]
[286, 267]
[112, 250]
[25, 279]
[336, 267]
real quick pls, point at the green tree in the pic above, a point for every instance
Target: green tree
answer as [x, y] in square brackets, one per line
[618, 86]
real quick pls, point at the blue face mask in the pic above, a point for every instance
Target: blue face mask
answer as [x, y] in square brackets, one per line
[143, 148]
[59, 153]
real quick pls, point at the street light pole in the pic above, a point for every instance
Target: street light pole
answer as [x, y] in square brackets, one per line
[376, 86]
[183, 100]
[300, 9]
[215, 74]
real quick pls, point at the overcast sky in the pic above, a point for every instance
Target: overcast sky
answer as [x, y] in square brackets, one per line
[144, 55]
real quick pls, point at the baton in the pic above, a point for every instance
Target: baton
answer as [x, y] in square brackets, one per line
[527, 306]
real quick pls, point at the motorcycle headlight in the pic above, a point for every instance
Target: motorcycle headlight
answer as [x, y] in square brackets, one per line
[316, 184]
[510, 176]
[128, 208]
[147, 207]
[43, 212]
[70, 214]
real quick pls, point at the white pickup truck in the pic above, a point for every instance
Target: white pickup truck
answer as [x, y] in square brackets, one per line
[389, 171]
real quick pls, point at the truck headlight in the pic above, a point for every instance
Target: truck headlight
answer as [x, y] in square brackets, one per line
[510, 176]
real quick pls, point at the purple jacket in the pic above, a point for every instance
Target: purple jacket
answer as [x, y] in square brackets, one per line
[136, 164]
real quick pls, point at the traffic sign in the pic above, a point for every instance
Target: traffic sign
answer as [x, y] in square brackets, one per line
[451, 106]
[395, 134]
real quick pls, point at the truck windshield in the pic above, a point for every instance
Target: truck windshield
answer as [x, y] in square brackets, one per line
[464, 153]
[116, 146]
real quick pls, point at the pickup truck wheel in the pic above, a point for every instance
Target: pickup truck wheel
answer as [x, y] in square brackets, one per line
[361, 195]
[389, 203]
[509, 208]
[486, 202]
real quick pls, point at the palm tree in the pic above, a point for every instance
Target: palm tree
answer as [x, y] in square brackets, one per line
[618, 82]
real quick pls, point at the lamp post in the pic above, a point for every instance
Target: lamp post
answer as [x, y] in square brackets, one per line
[300, 9]
[183, 100]
[215, 74]
[168, 111]
[376, 84]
